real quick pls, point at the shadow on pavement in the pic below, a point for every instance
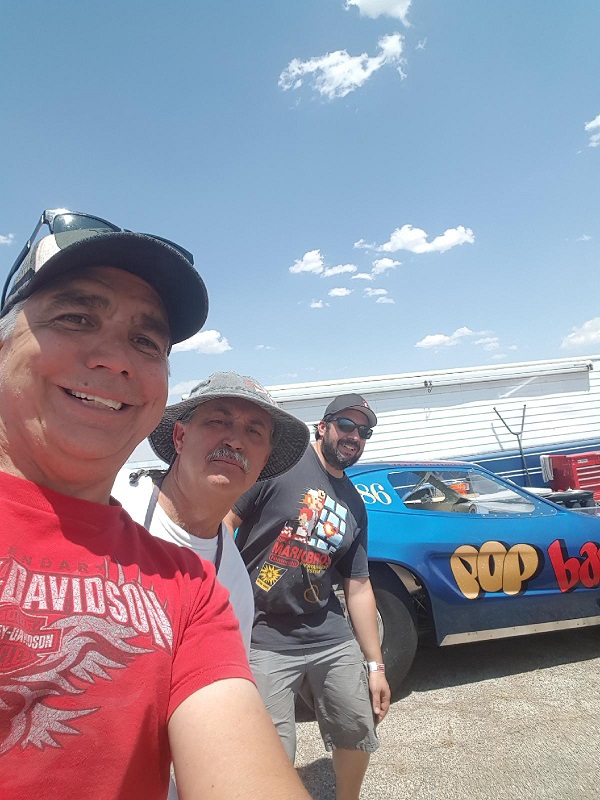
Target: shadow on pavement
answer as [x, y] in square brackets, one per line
[318, 778]
[441, 667]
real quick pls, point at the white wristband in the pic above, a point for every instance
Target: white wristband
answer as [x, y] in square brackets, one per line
[375, 667]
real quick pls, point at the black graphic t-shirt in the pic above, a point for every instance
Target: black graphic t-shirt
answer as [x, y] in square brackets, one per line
[300, 534]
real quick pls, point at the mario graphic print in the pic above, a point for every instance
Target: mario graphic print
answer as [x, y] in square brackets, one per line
[308, 541]
[321, 522]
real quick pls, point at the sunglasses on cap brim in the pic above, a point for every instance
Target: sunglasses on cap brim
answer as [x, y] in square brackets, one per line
[347, 425]
[66, 225]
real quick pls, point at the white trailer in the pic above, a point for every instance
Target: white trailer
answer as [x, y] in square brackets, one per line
[450, 413]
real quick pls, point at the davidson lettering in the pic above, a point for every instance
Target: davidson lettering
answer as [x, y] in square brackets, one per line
[39, 641]
[128, 604]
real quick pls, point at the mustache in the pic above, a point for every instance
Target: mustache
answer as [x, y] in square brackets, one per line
[226, 452]
[348, 442]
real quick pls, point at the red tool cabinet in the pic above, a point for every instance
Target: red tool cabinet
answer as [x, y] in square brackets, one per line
[576, 471]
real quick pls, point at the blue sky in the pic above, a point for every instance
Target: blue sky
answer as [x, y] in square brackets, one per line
[369, 187]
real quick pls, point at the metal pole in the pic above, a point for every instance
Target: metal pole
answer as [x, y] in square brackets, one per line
[519, 442]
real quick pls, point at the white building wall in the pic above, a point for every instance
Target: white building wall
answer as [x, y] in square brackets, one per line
[453, 415]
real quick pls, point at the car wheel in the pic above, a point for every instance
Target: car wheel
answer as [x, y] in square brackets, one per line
[397, 623]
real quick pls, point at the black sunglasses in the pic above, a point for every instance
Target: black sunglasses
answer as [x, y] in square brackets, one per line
[347, 426]
[64, 223]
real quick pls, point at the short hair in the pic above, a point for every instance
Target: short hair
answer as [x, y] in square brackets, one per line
[316, 428]
[8, 322]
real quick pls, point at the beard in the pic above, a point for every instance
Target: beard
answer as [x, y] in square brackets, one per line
[333, 457]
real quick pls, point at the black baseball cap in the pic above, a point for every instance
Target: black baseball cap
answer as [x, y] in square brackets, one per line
[345, 401]
[164, 267]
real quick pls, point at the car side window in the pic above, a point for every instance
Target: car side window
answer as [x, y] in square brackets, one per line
[460, 491]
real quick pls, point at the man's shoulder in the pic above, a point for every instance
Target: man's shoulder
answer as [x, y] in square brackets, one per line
[353, 497]
[231, 554]
[132, 489]
[134, 498]
[146, 541]
[308, 467]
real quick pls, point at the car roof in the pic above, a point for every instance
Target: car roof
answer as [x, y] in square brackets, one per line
[373, 466]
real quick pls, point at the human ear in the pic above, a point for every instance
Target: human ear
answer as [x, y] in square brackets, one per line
[178, 436]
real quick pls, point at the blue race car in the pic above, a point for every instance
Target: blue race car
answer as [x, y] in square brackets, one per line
[464, 555]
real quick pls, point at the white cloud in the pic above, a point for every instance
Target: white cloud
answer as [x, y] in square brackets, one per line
[337, 74]
[317, 304]
[415, 240]
[9, 239]
[594, 125]
[583, 238]
[586, 335]
[206, 342]
[488, 342]
[380, 265]
[264, 347]
[312, 261]
[378, 8]
[339, 270]
[362, 245]
[385, 300]
[499, 357]
[421, 44]
[181, 388]
[340, 292]
[442, 340]
[369, 292]
[391, 48]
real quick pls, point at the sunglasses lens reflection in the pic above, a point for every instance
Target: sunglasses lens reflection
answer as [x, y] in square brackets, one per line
[63, 223]
[72, 223]
[347, 426]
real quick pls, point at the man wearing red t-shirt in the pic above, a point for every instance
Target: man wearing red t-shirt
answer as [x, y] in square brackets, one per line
[118, 651]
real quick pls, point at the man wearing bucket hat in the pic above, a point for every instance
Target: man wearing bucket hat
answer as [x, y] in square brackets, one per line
[118, 652]
[226, 435]
[298, 534]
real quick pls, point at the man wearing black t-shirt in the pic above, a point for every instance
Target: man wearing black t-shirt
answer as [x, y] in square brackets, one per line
[298, 534]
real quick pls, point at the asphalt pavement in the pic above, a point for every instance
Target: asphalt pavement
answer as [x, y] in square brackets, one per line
[503, 720]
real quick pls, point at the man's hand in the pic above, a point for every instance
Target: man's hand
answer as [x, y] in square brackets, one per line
[380, 694]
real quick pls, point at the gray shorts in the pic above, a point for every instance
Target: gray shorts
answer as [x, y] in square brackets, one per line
[333, 680]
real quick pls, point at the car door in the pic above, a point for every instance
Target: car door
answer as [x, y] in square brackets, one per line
[494, 559]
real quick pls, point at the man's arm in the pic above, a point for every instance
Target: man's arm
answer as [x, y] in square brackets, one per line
[225, 747]
[360, 602]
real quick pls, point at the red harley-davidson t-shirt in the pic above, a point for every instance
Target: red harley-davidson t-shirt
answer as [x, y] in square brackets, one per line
[104, 631]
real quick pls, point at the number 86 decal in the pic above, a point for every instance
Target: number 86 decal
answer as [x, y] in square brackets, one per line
[375, 493]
